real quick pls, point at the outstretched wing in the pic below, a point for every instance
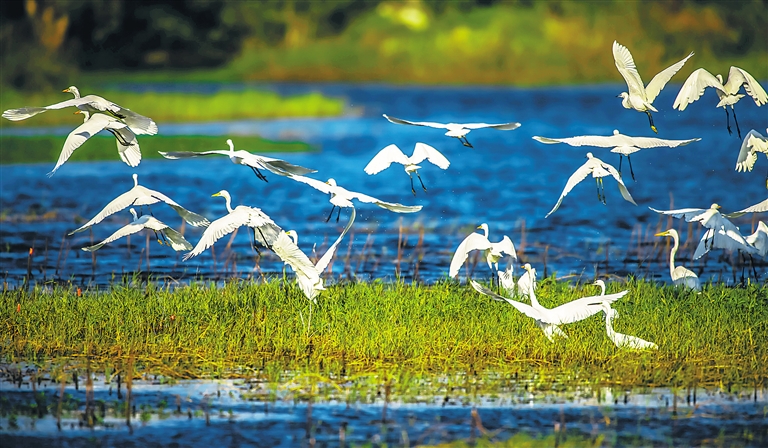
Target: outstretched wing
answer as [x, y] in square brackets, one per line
[690, 214]
[738, 77]
[748, 154]
[416, 123]
[130, 229]
[91, 126]
[314, 183]
[626, 66]
[473, 241]
[575, 178]
[760, 207]
[622, 188]
[26, 112]
[506, 246]
[384, 158]
[173, 155]
[583, 140]
[522, 307]
[119, 203]
[191, 218]
[501, 126]
[283, 168]
[423, 151]
[218, 229]
[694, 87]
[391, 206]
[323, 263]
[662, 78]
[580, 309]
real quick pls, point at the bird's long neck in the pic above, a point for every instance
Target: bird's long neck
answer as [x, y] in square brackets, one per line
[609, 326]
[229, 204]
[532, 292]
[672, 256]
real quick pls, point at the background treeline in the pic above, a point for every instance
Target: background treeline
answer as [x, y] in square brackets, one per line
[48, 42]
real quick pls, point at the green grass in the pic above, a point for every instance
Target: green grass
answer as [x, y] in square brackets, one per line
[717, 337]
[47, 149]
[178, 107]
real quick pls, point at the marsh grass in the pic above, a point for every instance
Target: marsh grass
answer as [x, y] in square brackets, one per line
[48, 148]
[717, 337]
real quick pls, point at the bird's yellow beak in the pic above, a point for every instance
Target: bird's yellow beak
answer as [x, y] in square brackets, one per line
[78, 112]
[65, 90]
[479, 227]
[662, 233]
[216, 194]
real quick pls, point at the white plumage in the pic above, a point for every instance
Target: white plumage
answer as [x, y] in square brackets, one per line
[171, 237]
[456, 130]
[493, 251]
[392, 154]
[679, 274]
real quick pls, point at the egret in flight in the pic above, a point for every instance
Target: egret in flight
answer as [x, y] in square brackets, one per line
[753, 143]
[392, 153]
[265, 231]
[680, 275]
[141, 196]
[598, 169]
[724, 234]
[760, 207]
[728, 92]
[342, 198]
[139, 124]
[759, 239]
[171, 237]
[493, 251]
[640, 97]
[253, 161]
[456, 130]
[622, 144]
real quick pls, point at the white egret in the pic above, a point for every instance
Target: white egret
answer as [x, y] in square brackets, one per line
[392, 153]
[342, 198]
[759, 239]
[753, 143]
[694, 87]
[141, 196]
[139, 124]
[622, 144]
[598, 169]
[711, 218]
[523, 284]
[679, 274]
[624, 340]
[760, 207]
[456, 130]
[171, 237]
[241, 157]
[265, 231]
[475, 241]
[127, 145]
[640, 97]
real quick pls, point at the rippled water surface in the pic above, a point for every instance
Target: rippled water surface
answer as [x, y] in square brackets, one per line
[508, 180]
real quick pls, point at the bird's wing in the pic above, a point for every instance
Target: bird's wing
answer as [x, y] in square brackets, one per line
[580, 309]
[192, 218]
[626, 66]
[582, 140]
[738, 77]
[575, 178]
[314, 183]
[127, 144]
[662, 78]
[178, 242]
[384, 158]
[265, 231]
[139, 123]
[76, 138]
[416, 123]
[526, 282]
[325, 260]
[522, 307]
[747, 154]
[26, 112]
[217, 229]
[189, 154]
[290, 253]
[694, 87]
[506, 246]
[119, 203]
[622, 188]
[391, 206]
[690, 214]
[652, 142]
[283, 168]
[130, 229]
[500, 126]
[473, 241]
[423, 151]
[757, 208]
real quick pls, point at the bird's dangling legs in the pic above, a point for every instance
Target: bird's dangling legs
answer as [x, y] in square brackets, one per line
[338, 215]
[621, 157]
[597, 183]
[330, 214]
[266, 243]
[630, 168]
[754, 271]
[766, 180]
[420, 181]
[738, 131]
[727, 120]
[258, 174]
[165, 239]
[413, 190]
[253, 242]
[650, 119]
[465, 142]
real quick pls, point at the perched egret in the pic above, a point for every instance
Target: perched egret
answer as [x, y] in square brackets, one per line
[753, 143]
[623, 340]
[694, 87]
[640, 98]
[680, 275]
[139, 124]
[127, 145]
[475, 241]
[456, 130]
[392, 153]
[622, 144]
[759, 239]
[141, 196]
[171, 237]
[730, 238]
[342, 198]
[240, 157]
[598, 169]
[760, 207]
[265, 231]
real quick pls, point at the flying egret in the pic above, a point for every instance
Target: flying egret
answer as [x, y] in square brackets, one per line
[760, 207]
[548, 319]
[475, 241]
[640, 98]
[171, 237]
[622, 144]
[341, 197]
[392, 153]
[680, 275]
[711, 218]
[127, 145]
[598, 169]
[759, 239]
[139, 124]
[456, 130]
[694, 87]
[141, 196]
[241, 157]
[753, 143]
[265, 231]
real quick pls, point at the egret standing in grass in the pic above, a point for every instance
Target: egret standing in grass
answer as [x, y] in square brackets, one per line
[598, 169]
[493, 251]
[640, 97]
[171, 237]
[729, 95]
[622, 144]
[624, 340]
[456, 130]
[753, 143]
[679, 274]
[392, 153]
[524, 284]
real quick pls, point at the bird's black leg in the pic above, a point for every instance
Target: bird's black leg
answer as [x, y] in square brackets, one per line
[253, 243]
[165, 239]
[727, 120]
[754, 271]
[630, 168]
[465, 142]
[421, 181]
[650, 119]
[413, 190]
[258, 174]
[338, 215]
[157, 237]
[330, 214]
[621, 157]
[597, 182]
[266, 243]
[738, 131]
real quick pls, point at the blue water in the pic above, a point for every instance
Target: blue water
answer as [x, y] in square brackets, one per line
[508, 181]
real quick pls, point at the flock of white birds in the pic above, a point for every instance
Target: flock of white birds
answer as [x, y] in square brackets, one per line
[101, 114]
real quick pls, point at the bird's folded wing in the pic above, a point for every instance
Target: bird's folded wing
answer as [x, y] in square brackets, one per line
[757, 208]
[473, 241]
[325, 260]
[580, 309]
[189, 154]
[423, 151]
[76, 138]
[622, 188]
[500, 126]
[662, 78]
[626, 66]
[416, 123]
[217, 229]
[694, 87]
[384, 158]
[522, 307]
[579, 175]
[129, 229]
[738, 77]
